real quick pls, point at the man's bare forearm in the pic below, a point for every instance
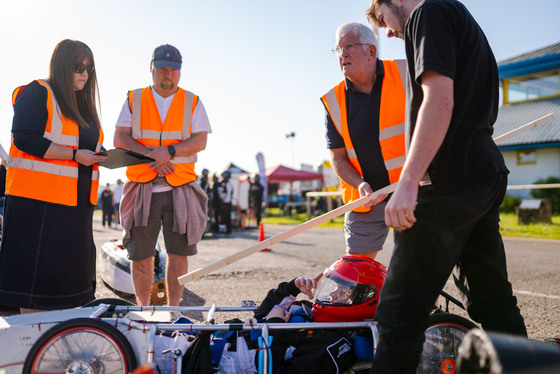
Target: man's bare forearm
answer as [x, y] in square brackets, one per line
[192, 145]
[124, 139]
[343, 169]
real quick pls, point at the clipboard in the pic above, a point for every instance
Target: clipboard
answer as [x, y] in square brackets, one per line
[119, 157]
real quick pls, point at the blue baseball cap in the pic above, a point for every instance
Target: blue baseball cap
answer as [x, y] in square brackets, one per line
[167, 56]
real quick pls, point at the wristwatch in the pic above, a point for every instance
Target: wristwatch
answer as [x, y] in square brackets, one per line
[171, 150]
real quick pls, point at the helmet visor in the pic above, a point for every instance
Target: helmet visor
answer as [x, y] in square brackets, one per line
[334, 289]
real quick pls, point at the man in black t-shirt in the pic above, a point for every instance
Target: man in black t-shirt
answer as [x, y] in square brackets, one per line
[452, 103]
[107, 203]
[203, 181]
[225, 191]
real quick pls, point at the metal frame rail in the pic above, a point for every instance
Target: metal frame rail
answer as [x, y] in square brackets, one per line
[155, 327]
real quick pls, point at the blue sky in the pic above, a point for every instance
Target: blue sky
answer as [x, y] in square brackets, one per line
[258, 66]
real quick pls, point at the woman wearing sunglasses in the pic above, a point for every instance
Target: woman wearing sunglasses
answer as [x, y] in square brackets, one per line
[47, 258]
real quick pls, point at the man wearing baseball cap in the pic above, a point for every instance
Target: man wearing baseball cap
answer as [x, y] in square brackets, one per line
[170, 125]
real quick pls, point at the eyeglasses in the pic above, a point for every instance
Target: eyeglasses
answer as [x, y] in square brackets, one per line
[79, 68]
[339, 50]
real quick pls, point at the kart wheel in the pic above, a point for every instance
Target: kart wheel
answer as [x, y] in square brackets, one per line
[443, 337]
[81, 345]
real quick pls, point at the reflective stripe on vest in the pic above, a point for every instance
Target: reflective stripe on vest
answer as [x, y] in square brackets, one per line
[52, 180]
[148, 130]
[43, 167]
[392, 138]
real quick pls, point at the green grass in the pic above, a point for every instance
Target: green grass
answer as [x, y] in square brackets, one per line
[509, 226]
[275, 216]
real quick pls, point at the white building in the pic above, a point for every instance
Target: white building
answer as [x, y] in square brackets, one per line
[530, 89]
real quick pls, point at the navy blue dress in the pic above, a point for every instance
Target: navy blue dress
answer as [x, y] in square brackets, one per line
[47, 258]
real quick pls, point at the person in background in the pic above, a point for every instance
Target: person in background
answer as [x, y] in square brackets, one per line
[205, 185]
[203, 181]
[365, 133]
[47, 258]
[107, 203]
[452, 104]
[117, 195]
[256, 191]
[226, 195]
[215, 202]
[170, 125]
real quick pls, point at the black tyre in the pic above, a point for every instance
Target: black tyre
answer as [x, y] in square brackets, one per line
[81, 345]
[443, 337]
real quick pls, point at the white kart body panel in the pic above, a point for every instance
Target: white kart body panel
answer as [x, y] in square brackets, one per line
[18, 333]
[113, 266]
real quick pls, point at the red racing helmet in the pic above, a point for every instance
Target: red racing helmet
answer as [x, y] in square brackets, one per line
[349, 290]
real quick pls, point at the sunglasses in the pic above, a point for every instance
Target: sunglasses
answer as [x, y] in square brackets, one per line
[79, 68]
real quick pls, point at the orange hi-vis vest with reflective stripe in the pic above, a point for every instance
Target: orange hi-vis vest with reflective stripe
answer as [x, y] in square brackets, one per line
[50, 180]
[391, 125]
[148, 130]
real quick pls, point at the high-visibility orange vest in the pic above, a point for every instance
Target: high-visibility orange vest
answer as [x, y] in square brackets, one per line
[391, 125]
[50, 180]
[148, 130]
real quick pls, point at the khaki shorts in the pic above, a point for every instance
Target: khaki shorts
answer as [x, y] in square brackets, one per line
[366, 232]
[143, 239]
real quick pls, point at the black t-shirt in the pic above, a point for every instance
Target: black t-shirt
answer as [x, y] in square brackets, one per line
[363, 126]
[107, 200]
[256, 191]
[442, 36]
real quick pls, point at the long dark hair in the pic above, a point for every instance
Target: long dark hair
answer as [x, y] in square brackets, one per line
[79, 106]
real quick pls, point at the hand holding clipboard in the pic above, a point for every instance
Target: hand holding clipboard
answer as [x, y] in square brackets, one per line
[119, 157]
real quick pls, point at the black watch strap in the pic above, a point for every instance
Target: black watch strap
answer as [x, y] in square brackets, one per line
[171, 150]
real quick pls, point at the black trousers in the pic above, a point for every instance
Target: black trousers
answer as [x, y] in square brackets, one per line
[107, 216]
[225, 213]
[458, 229]
[258, 211]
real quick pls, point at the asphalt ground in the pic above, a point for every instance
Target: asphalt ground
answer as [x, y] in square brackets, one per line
[533, 266]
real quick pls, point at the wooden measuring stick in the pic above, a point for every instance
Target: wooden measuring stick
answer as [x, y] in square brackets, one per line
[285, 235]
[198, 273]
[508, 135]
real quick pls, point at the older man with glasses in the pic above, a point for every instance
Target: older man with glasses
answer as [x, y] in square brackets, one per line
[365, 132]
